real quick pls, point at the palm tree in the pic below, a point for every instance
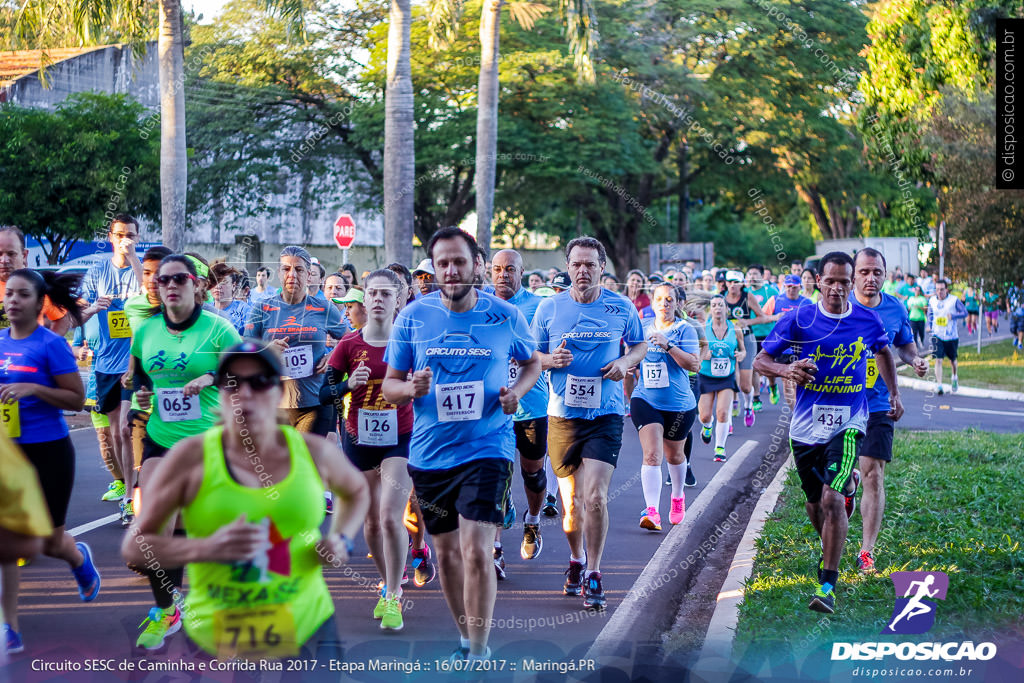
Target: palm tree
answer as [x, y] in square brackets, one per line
[399, 150]
[581, 31]
[43, 23]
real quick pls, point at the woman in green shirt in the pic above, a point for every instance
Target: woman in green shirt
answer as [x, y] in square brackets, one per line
[917, 305]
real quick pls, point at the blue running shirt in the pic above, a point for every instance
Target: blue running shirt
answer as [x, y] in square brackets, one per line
[839, 345]
[896, 322]
[535, 404]
[460, 419]
[593, 333]
[663, 383]
[115, 340]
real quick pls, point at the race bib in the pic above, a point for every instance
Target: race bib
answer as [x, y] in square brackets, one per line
[377, 427]
[941, 321]
[655, 375]
[829, 420]
[582, 392]
[513, 371]
[10, 416]
[265, 632]
[872, 373]
[720, 367]
[175, 406]
[459, 401]
[298, 362]
[117, 324]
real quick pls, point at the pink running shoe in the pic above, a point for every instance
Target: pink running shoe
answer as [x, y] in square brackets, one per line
[650, 520]
[678, 511]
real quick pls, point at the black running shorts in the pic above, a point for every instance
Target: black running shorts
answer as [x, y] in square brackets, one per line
[570, 440]
[478, 490]
[676, 425]
[826, 464]
[532, 438]
[367, 458]
[877, 442]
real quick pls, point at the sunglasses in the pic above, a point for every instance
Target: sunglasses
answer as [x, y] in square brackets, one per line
[177, 278]
[258, 383]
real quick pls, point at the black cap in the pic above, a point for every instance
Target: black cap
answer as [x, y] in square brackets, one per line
[561, 281]
[250, 349]
[720, 276]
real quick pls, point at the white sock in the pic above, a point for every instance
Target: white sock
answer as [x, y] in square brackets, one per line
[552, 479]
[678, 474]
[650, 479]
[581, 560]
[497, 545]
[707, 424]
[748, 399]
[464, 642]
[722, 433]
[486, 655]
[531, 519]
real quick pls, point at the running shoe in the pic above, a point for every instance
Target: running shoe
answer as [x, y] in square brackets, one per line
[823, 602]
[955, 385]
[86, 576]
[748, 417]
[460, 654]
[735, 408]
[762, 385]
[499, 564]
[851, 500]
[510, 515]
[650, 520]
[550, 508]
[678, 511]
[730, 429]
[705, 433]
[115, 492]
[382, 603]
[573, 578]
[938, 389]
[866, 562]
[392, 620]
[159, 624]
[719, 454]
[690, 479]
[668, 479]
[127, 512]
[773, 395]
[758, 406]
[328, 504]
[532, 542]
[423, 570]
[593, 594]
[14, 642]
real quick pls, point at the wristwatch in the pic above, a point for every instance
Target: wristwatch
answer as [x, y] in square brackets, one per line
[670, 347]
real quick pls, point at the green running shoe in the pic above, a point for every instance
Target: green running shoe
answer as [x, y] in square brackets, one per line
[115, 492]
[823, 602]
[392, 618]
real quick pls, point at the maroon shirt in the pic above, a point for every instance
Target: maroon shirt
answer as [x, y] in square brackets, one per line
[346, 357]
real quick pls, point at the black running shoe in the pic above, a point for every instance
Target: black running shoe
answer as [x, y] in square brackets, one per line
[550, 508]
[532, 542]
[499, 564]
[573, 578]
[690, 479]
[593, 594]
[823, 602]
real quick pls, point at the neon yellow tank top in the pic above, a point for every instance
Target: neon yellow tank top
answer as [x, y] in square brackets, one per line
[270, 606]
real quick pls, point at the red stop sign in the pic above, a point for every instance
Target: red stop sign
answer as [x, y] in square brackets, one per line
[344, 231]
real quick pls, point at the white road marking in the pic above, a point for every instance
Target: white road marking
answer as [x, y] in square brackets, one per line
[95, 524]
[988, 412]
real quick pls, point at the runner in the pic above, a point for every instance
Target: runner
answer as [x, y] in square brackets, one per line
[744, 311]
[38, 380]
[263, 289]
[778, 306]
[106, 286]
[224, 296]
[762, 291]
[580, 333]
[796, 268]
[717, 374]
[530, 423]
[876, 450]
[945, 337]
[355, 311]
[991, 312]
[14, 256]
[809, 279]
[248, 493]
[175, 359]
[424, 276]
[1015, 312]
[831, 411]
[917, 307]
[663, 407]
[298, 325]
[376, 437]
[972, 304]
[457, 345]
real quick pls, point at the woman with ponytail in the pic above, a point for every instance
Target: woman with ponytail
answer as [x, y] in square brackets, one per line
[38, 381]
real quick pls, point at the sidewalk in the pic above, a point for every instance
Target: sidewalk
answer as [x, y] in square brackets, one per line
[929, 386]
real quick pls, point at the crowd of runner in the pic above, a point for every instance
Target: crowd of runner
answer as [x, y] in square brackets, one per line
[223, 405]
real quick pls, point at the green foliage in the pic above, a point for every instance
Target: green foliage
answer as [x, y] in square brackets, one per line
[64, 173]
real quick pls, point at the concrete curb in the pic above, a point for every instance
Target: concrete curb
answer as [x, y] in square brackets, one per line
[717, 650]
[925, 385]
[608, 648]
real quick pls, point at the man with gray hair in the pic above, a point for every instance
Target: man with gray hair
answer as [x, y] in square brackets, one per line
[297, 325]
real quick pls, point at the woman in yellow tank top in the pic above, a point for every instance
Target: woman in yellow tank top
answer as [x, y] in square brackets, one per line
[250, 493]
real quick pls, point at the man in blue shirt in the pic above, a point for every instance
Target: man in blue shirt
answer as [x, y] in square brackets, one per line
[579, 333]
[457, 343]
[530, 422]
[876, 449]
[831, 341]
